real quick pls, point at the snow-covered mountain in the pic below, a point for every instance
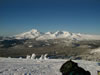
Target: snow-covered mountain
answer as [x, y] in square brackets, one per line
[28, 35]
[55, 35]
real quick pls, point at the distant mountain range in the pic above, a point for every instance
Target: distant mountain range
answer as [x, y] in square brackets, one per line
[59, 44]
[35, 34]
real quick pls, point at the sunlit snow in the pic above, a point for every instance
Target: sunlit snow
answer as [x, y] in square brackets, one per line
[15, 66]
[34, 33]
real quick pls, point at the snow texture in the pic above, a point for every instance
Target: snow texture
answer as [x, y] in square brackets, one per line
[15, 66]
[33, 56]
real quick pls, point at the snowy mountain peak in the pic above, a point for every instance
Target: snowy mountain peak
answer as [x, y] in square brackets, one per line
[48, 33]
[62, 32]
[28, 35]
[34, 33]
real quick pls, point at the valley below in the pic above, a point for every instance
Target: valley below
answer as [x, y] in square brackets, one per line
[59, 44]
[55, 48]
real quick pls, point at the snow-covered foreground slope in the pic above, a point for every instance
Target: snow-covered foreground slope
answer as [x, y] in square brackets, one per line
[11, 66]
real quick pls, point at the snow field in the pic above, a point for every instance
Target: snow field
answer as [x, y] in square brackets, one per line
[14, 66]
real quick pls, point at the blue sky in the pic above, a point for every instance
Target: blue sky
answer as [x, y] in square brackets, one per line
[18, 16]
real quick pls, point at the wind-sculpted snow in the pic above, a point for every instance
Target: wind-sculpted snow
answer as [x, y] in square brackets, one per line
[12, 66]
